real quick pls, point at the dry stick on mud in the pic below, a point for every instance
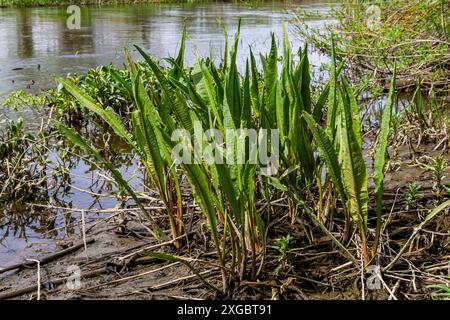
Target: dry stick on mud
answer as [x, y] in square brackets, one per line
[38, 277]
[416, 231]
[155, 246]
[172, 258]
[132, 277]
[200, 275]
[83, 230]
[56, 282]
[48, 258]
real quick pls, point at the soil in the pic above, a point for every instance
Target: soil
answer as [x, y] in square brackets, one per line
[316, 271]
[115, 265]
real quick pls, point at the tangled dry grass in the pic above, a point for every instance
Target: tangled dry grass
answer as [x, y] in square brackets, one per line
[374, 35]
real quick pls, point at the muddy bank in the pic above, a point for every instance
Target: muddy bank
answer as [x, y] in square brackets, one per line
[115, 265]
[115, 270]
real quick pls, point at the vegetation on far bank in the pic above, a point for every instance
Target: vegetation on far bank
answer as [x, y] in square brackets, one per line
[50, 3]
[373, 35]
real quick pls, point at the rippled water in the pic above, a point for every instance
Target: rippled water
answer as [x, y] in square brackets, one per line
[36, 46]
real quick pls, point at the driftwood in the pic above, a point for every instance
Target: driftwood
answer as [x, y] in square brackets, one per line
[56, 282]
[185, 279]
[48, 258]
[59, 281]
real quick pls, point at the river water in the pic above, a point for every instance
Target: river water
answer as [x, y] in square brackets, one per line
[36, 46]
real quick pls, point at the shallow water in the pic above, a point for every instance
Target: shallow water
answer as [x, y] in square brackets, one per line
[36, 46]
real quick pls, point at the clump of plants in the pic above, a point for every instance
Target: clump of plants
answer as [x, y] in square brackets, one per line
[22, 163]
[412, 195]
[442, 291]
[282, 249]
[20, 99]
[236, 198]
[315, 174]
[438, 168]
[98, 83]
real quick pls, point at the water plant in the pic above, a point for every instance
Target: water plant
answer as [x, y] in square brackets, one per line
[411, 195]
[220, 98]
[438, 167]
[443, 291]
[22, 162]
[281, 246]
[340, 147]
[20, 99]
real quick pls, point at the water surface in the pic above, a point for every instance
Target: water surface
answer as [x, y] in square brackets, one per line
[36, 44]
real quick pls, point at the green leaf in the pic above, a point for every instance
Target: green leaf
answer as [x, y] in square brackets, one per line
[232, 87]
[230, 191]
[254, 93]
[354, 170]
[332, 101]
[305, 88]
[325, 96]
[76, 139]
[209, 85]
[108, 115]
[178, 63]
[270, 79]
[277, 184]
[246, 114]
[380, 158]
[151, 151]
[351, 101]
[327, 154]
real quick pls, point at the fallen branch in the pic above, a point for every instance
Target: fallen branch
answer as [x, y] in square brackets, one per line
[416, 231]
[48, 258]
[56, 282]
[186, 279]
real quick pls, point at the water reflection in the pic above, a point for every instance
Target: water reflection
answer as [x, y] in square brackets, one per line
[73, 41]
[24, 35]
[37, 45]
[28, 229]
